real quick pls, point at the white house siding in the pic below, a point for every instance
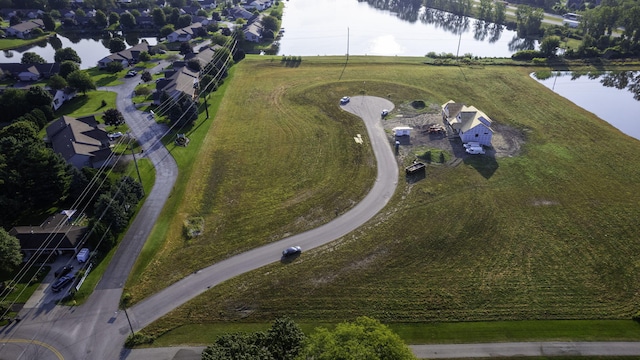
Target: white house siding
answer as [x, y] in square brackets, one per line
[479, 133]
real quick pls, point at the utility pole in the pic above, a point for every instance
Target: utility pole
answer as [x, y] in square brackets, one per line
[347, 44]
[135, 161]
[129, 321]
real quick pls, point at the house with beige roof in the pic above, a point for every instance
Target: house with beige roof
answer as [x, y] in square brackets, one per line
[80, 141]
[125, 57]
[469, 123]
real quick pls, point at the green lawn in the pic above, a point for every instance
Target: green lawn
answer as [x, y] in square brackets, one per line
[13, 43]
[105, 78]
[27, 284]
[88, 104]
[549, 234]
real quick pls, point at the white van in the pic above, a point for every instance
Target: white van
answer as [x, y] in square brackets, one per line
[83, 255]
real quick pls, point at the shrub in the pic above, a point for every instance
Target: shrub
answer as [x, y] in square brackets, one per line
[138, 339]
[526, 55]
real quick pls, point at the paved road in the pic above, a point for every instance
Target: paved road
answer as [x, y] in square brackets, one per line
[454, 351]
[368, 108]
[96, 330]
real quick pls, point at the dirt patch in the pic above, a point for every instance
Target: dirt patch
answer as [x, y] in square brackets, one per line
[506, 140]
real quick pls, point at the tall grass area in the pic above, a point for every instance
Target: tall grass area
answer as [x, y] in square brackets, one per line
[549, 234]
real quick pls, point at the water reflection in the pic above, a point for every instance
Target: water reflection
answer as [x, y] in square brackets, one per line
[621, 80]
[386, 27]
[55, 42]
[483, 30]
[518, 44]
[612, 96]
[452, 23]
[407, 10]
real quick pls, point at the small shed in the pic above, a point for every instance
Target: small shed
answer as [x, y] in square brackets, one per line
[402, 131]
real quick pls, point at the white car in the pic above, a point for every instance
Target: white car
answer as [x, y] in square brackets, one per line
[475, 150]
[472, 144]
[115, 135]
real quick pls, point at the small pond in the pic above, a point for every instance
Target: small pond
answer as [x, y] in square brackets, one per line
[90, 50]
[612, 96]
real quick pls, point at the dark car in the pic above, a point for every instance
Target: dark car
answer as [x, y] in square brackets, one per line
[131, 73]
[345, 100]
[63, 270]
[61, 283]
[291, 251]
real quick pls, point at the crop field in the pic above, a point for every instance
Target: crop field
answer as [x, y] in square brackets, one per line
[548, 234]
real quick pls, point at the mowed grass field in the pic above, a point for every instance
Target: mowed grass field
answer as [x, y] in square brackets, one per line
[549, 234]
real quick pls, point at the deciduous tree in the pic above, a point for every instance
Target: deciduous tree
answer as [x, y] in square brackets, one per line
[113, 117]
[81, 81]
[67, 54]
[67, 67]
[117, 45]
[32, 58]
[10, 256]
[365, 338]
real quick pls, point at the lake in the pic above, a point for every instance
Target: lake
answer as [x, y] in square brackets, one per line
[612, 96]
[90, 50]
[328, 27]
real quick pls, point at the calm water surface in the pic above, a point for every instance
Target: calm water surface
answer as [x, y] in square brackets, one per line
[613, 97]
[324, 27]
[89, 50]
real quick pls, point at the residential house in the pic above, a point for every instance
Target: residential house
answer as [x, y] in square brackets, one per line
[204, 56]
[80, 141]
[24, 29]
[185, 33]
[259, 5]
[177, 83]
[61, 96]
[253, 32]
[57, 234]
[30, 72]
[208, 4]
[145, 22]
[471, 124]
[125, 57]
[21, 13]
[238, 12]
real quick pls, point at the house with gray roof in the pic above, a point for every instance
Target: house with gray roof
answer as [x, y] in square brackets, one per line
[81, 142]
[30, 72]
[177, 83]
[57, 234]
[125, 57]
[23, 30]
[186, 33]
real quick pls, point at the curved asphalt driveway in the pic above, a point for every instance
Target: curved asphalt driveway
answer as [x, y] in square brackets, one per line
[366, 107]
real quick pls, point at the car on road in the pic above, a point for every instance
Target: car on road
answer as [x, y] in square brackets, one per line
[345, 100]
[63, 271]
[114, 135]
[384, 113]
[291, 251]
[61, 283]
[131, 73]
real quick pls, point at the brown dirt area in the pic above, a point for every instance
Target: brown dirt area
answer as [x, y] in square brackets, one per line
[506, 140]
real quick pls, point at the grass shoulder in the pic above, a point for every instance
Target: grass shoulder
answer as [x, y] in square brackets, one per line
[522, 243]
